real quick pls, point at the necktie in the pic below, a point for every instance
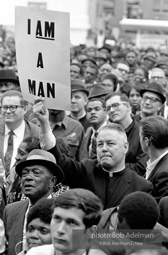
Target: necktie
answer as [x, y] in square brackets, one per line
[9, 152]
[93, 145]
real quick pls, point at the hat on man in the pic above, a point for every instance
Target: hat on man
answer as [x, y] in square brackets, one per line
[8, 75]
[98, 91]
[89, 59]
[155, 88]
[150, 57]
[44, 158]
[78, 85]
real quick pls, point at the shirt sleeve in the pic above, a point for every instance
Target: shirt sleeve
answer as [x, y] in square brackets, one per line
[47, 140]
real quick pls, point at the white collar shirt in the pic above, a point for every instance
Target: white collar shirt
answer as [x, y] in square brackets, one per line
[17, 139]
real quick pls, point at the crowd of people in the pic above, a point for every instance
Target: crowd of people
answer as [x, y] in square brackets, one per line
[100, 168]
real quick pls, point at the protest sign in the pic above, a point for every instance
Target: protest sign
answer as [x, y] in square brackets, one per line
[43, 56]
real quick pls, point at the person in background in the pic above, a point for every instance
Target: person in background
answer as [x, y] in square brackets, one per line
[135, 98]
[110, 82]
[141, 75]
[152, 99]
[119, 111]
[79, 98]
[75, 71]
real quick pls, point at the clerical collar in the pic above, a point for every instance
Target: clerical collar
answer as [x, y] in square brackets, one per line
[114, 174]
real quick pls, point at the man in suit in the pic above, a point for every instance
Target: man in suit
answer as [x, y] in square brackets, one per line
[39, 174]
[154, 142]
[110, 180]
[13, 108]
[163, 205]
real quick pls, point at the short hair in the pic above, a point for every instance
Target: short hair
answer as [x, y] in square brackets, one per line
[78, 65]
[123, 97]
[14, 93]
[155, 128]
[115, 126]
[82, 199]
[140, 210]
[42, 209]
[97, 99]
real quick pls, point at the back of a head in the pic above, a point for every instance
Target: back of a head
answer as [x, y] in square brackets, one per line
[155, 128]
[82, 199]
[139, 210]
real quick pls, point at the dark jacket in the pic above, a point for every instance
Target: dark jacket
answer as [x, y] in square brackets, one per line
[89, 175]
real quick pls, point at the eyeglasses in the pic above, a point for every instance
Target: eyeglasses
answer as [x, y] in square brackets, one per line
[151, 99]
[12, 108]
[115, 106]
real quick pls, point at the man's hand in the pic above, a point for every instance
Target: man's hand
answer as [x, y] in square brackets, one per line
[42, 115]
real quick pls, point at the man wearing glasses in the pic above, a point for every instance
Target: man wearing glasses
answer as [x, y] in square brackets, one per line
[13, 127]
[152, 100]
[119, 110]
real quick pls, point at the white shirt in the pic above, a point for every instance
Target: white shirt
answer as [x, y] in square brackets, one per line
[151, 166]
[47, 249]
[17, 139]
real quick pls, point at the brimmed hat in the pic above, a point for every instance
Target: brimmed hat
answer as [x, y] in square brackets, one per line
[98, 91]
[44, 158]
[89, 59]
[150, 57]
[155, 88]
[78, 85]
[7, 75]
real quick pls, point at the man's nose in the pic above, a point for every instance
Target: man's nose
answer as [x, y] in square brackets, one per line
[61, 228]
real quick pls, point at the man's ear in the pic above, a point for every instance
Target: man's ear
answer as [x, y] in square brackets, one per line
[53, 181]
[147, 141]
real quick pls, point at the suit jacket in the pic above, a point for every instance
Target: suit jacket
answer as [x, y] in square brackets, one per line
[163, 205]
[31, 130]
[89, 175]
[14, 215]
[159, 179]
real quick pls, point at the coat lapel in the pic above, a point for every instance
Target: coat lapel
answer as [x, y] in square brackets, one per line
[157, 166]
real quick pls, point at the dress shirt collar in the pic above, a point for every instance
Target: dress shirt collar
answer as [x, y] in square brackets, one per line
[151, 166]
[16, 131]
